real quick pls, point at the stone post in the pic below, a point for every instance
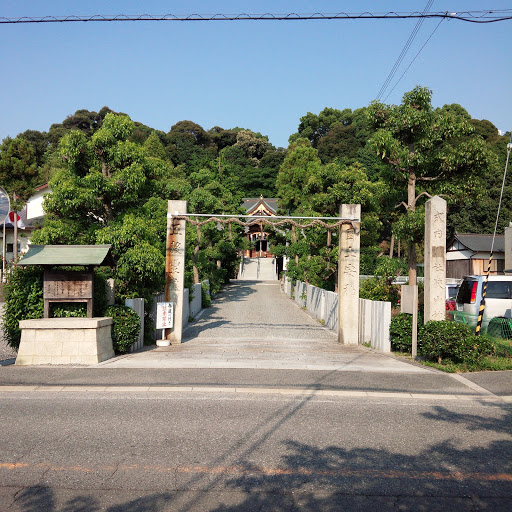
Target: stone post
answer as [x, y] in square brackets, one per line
[175, 267]
[508, 249]
[110, 292]
[138, 306]
[348, 275]
[435, 259]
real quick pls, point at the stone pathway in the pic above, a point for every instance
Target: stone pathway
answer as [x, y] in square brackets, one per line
[252, 324]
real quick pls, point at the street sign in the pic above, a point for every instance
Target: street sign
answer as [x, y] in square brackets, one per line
[5, 205]
[164, 315]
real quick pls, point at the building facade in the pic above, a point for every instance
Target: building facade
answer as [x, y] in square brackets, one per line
[256, 234]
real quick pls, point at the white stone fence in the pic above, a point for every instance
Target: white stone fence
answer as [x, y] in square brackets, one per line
[374, 316]
[191, 308]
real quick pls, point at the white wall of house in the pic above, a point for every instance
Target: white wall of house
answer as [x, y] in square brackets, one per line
[459, 255]
[35, 203]
[470, 255]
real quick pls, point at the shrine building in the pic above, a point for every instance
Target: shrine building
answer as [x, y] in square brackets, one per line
[256, 234]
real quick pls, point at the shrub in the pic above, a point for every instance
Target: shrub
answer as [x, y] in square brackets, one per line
[379, 288]
[126, 327]
[23, 301]
[438, 340]
[206, 300]
[68, 310]
[400, 332]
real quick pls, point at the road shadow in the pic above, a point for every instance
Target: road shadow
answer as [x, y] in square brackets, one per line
[309, 477]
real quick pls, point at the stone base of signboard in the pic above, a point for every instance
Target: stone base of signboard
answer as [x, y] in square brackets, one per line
[65, 341]
[163, 343]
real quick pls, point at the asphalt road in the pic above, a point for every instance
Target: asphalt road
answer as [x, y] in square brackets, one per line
[216, 451]
[259, 409]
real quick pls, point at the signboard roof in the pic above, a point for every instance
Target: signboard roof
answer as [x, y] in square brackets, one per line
[85, 255]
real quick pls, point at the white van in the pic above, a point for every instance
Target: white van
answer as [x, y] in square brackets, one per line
[498, 298]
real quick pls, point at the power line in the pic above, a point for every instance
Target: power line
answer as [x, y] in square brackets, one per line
[487, 16]
[404, 51]
[420, 50]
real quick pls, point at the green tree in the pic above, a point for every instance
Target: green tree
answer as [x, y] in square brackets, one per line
[416, 141]
[313, 127]
[307, 187]
[189, 144]
[300, 163]
[111, 191]
[18, 170]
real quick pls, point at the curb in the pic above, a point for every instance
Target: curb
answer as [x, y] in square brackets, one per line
[297, 392]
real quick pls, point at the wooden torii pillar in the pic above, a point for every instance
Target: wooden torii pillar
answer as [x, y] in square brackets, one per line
[175, 250]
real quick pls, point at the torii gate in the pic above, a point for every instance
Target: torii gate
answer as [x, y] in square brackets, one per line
[349, 223]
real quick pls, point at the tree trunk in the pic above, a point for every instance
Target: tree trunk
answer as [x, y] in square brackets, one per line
[392, 246]
[411, 260]
[195, 271]
[411, 246]
[294, 239]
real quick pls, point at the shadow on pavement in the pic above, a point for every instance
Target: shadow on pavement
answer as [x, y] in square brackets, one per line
[444, 475]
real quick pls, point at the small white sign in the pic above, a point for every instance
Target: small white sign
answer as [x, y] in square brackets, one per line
[164, 315]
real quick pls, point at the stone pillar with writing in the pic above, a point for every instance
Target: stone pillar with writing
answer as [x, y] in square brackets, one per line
[348, 275]
[175, 266]
[435, 259]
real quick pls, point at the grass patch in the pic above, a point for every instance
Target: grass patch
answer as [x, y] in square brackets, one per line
[501, 360]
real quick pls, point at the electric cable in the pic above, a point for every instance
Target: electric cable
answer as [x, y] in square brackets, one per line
[404, 51]
[415, 57]
[487, 16]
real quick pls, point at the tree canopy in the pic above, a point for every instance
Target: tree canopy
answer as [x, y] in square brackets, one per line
[111, 178]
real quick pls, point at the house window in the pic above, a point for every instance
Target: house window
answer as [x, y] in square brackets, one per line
[10, 247]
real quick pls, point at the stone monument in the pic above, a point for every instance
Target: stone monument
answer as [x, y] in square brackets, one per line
[435, 259]
[175, 269]
[348, 275]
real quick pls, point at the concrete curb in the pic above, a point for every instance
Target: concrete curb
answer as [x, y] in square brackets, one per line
[297, 392]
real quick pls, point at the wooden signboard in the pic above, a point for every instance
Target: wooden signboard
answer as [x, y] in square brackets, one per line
[64, 286]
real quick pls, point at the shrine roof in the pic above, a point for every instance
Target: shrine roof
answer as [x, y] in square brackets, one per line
[82, 255]
[251, 204]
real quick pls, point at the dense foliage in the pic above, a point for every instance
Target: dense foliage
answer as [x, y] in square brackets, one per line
[23, 301]
[125, 328]
[441, 340]
[400, 332]
[111, 179]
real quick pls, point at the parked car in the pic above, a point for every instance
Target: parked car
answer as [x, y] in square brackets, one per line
[451, 294]
[498, 298]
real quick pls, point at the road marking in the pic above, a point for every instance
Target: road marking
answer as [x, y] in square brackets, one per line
[470, 384]
[340, 393]
[265, 471]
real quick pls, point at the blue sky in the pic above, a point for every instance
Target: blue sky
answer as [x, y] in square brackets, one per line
[258, 75]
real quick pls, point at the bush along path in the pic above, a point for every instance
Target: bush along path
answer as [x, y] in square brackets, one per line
[451, 346]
